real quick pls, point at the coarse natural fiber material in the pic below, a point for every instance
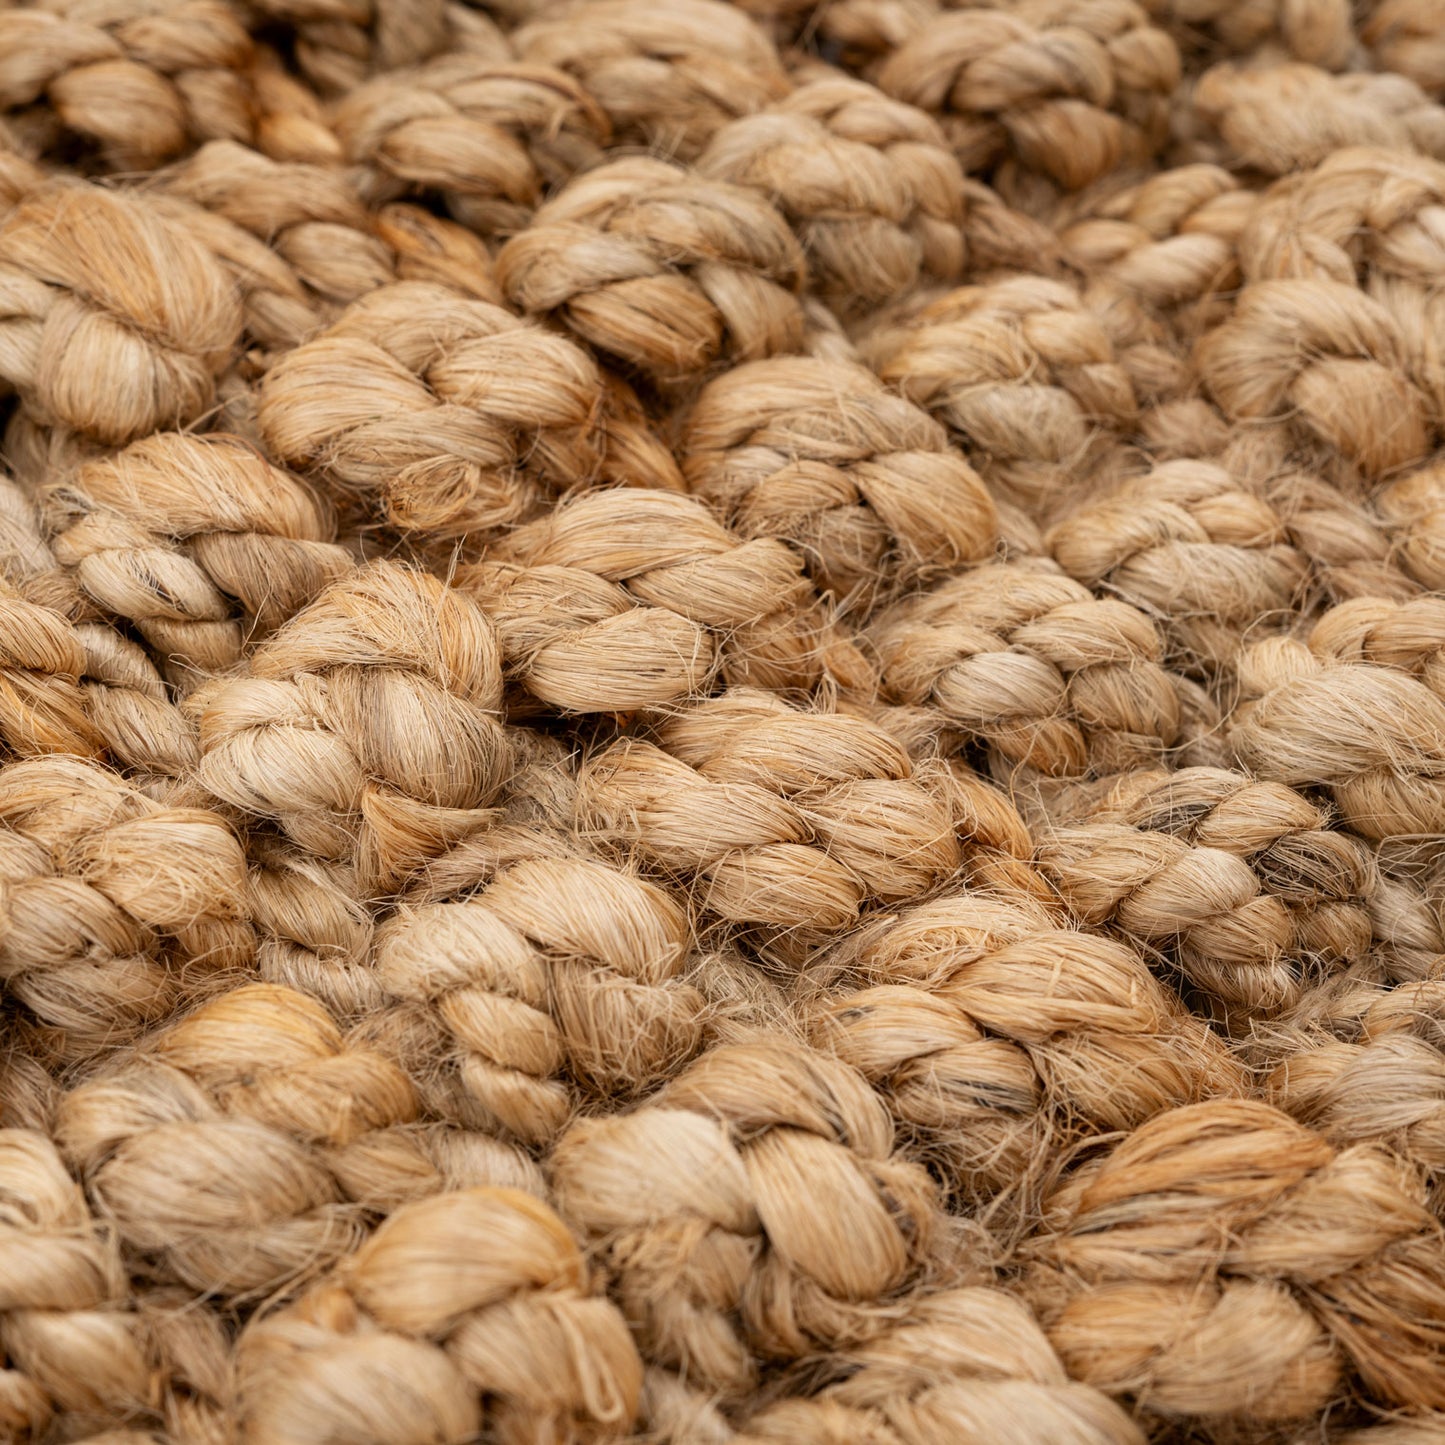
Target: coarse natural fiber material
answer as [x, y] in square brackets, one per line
[366, 726]
[100, 283]
[1360, 721]
[454, 417]
[1384, 1084]
[73, 683]
[555, 976]
[860, 482]
[142, 83]
[490, 139]
[661, 268]
[782, 820]
[1029, 662]
[722, 722]
[1224, 1261]
[754, 1210]
[998, 1038]
[632, 598]
[1281, 118]
[1072, 91]
[1241, 884]
[1169, 240]
[462, 1310]
[1023, 373]
[199, 542]
[117, 909]
[967, 1363]
[83, 1353]
[241, 1147]
[668, 73]
[1188, 544]
[868, 184]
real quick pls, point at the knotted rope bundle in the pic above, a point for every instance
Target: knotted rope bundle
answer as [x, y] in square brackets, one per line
[100, 284]
[1071, 91]
[661, 268]
[860, 482]
[783, 821]
[997, 1037]
[116, 909]
[83, 1356]
[1029, 662]
[668, 73]
[455, 416]
[1216, 1264]
[491, 139]
[754, 1208]
[366, 725]
[463, 1308]
[1241, 882]
[632, 598]
[551, 973]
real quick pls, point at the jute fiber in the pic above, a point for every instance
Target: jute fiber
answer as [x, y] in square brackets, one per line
[722, 722]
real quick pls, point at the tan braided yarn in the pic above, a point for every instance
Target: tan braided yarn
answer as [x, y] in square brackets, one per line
[1024, 372]
[867, 183]
[491, 139]
[550, 971]
[1067, 89]
[668, 73]
[366, 725]
[1226, 1247]
[860, 482]
[140, 81]
[781, 820]
[1029, 662]
[82, 1357]
[462, 1308]
[753, 1209]
[457, 418]
[633, 598]
[661, 268]
[998, 1037]
[198, 541]
[97, 283]
[1241, 882]
[116, 908]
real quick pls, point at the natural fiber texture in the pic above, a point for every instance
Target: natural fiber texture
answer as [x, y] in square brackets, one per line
[1186, 543]
[1067, 90]
[100, 284]
[1027, 661]
[1240, 883]
[140, 82]
[197, 541]
[462, 1310]
[1218, 1263]
[490, 139]
[867, 183]
[454, 416]
[755, 1206]
[660, 268]
[861, 483]
[366, 726]
[668, 73]
[998, 1038]
[722, 722]
[634, 598]
[116, 908]
[1023, 372]
[82, 1355]
[781, 820]
[550, 973]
